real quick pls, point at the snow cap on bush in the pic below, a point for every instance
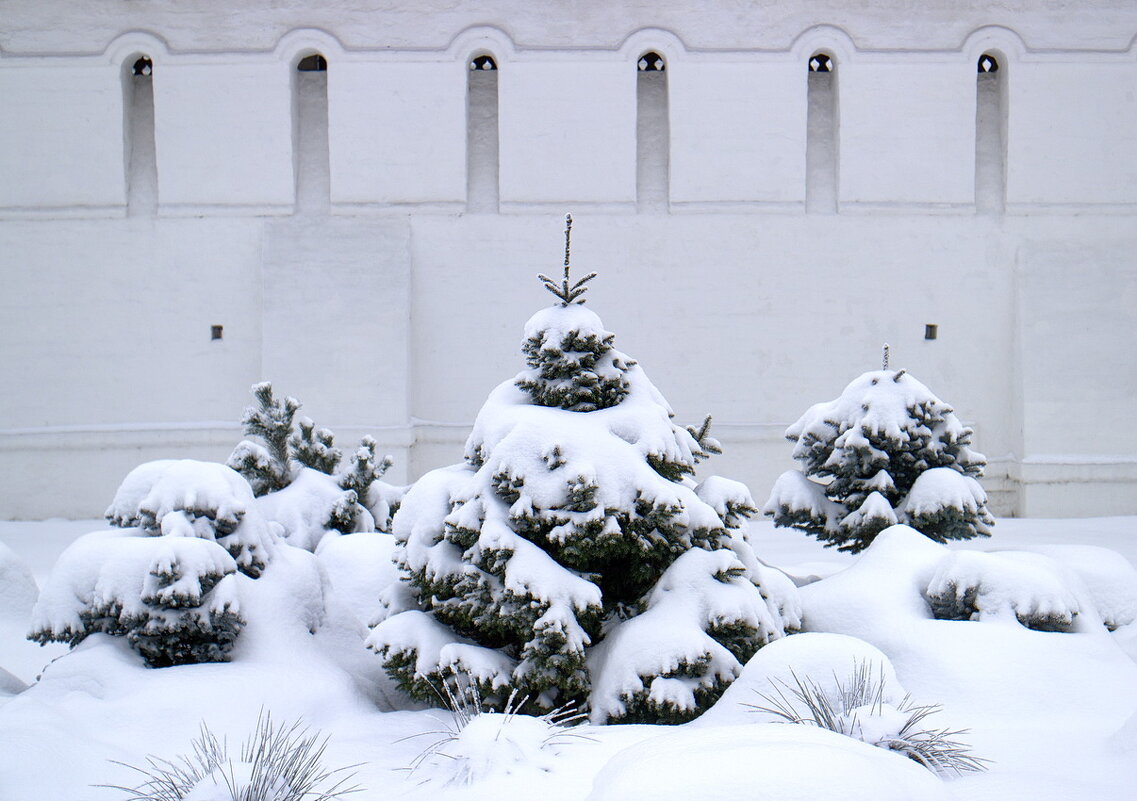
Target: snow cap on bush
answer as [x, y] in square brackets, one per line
[188, 498]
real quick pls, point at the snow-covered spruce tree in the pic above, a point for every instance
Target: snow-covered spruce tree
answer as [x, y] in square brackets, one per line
[297, 474]
[571, 558]
[886, 451]
[167, 580]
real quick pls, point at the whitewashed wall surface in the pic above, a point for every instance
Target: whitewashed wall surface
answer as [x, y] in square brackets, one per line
[769, 191]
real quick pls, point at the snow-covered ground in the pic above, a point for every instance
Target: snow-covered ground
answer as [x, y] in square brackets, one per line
[1055, 712]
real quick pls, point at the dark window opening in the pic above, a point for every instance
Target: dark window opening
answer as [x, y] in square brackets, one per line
[988, 63]
[143, 67]
[821, 63]
[651, 62]
[313, 63]
[215, 331]
[483, 63]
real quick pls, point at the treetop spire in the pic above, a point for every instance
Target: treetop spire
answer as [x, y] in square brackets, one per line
[566, 291]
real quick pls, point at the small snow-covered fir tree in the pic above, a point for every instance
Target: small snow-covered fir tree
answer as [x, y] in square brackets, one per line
[174, 599]
[167, 580]
[886, 451]
[297, 474]
[572, 559]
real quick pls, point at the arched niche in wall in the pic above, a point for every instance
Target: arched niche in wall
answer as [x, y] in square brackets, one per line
[822, 51]
[139, 57]
[140, 160]
[310, 56]
[992, 52]
[990, 132]
[310, 151]
[482, 148]
[653, 133]
[821, 141]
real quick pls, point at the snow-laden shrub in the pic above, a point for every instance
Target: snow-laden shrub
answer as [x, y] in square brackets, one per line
[481, 743]
[174, 598]
[279, 762]
[886, 451]
[1029, 587]
[572, 539]
[1109, 580]
[858, 707]
[293, 458]
[188, 498]
[167, 581]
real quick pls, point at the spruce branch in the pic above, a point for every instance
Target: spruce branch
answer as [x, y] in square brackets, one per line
[708, 445]
[567, 291]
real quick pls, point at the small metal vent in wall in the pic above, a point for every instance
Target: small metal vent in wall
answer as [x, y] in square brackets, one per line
[312, 63]
[216, 331]
[821, 63]
[142, 67]
[931, 331]
[483, 63]
[651, 62]
[988, 63]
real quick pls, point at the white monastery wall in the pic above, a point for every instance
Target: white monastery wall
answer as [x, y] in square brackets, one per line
[346, 263]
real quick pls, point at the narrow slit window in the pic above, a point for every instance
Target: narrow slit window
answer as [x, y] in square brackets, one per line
[310, 134]
[138, 129]
[990, 135]
[821, 135]
[653, 134]
[482, 136]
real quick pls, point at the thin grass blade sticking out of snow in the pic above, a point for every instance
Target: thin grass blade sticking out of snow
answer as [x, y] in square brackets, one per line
[279, 762]
[479, 742]
[856, 708]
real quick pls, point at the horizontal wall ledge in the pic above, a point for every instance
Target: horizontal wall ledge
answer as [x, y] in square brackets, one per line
[1061, 469]
[111, 211]
[225, 209]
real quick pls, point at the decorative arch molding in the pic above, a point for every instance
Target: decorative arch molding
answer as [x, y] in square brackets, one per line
[827, 39]
[133, 44]
[303, 42]
[1003, 43]
[482, 40]
[657, 40]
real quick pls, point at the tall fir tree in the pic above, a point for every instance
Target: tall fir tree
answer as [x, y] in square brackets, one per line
[571, 557]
